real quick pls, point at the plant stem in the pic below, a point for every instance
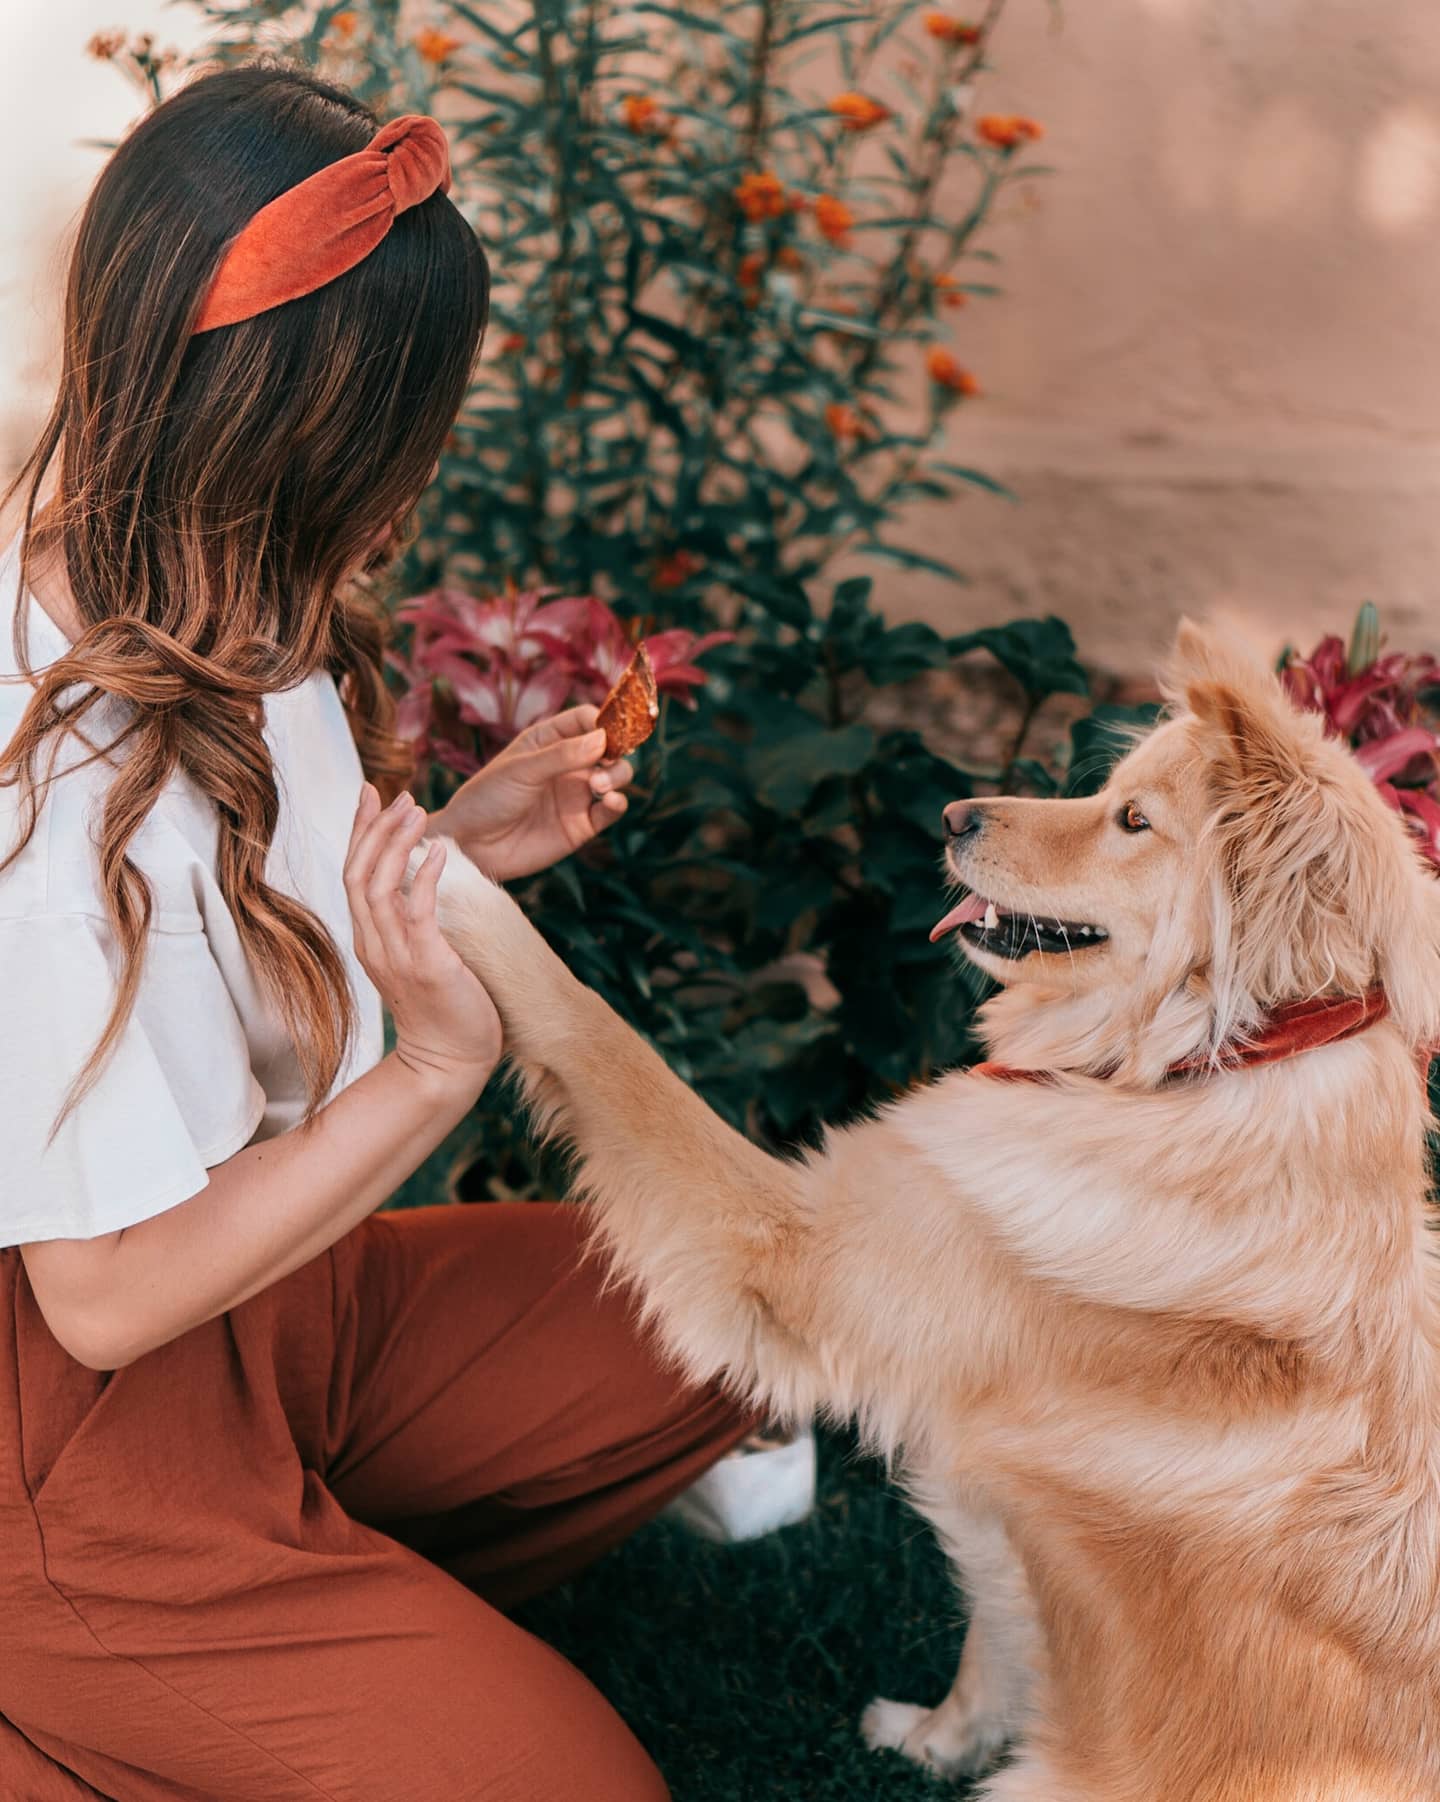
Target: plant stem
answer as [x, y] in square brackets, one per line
[922, 192]
[757, 119]
[1027, 719]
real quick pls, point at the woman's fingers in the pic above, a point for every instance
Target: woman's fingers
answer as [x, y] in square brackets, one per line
[575, 722]
[564, 756]
[365, 811]
[613, 776]
[420, 918]
[431, 951]
[606, 809]
[358, 859]
[373, 873]
[403, 831]
[367, 835]
[425, 884]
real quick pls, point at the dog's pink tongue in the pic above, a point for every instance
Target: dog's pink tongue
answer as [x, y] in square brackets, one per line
[971, 908]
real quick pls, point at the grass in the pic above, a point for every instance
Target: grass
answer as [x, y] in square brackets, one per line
[744, 1669]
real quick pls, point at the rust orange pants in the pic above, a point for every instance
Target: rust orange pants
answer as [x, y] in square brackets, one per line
[266, 1563]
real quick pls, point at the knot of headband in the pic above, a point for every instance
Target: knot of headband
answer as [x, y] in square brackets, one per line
[328, 223]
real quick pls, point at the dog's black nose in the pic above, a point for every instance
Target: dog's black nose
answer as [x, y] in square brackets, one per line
[961, 821]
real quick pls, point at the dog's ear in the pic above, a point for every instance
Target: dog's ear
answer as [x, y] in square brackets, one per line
[1257, 739]
[1224, 686]
[1202, 654]
[1262, 746]
[1321, 883]
[1410, 957]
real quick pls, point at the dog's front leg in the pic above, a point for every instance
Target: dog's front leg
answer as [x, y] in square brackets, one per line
[989, 1704]
[710, 1228]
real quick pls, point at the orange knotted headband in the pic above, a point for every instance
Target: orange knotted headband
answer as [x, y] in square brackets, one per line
[328, 223]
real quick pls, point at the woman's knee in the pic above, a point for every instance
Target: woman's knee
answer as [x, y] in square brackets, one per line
[564, 1742]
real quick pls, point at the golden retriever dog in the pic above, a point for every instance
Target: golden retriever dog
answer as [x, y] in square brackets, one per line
[1152, 1335]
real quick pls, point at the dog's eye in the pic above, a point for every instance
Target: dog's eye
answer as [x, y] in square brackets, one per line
[1130, 819]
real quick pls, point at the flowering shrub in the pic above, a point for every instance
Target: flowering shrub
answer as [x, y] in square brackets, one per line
[1377, 702]
[481, 671]
[735, 253]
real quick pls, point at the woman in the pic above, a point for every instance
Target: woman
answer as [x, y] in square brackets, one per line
[270, 1462]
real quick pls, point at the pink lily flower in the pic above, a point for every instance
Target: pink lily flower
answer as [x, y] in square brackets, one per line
[1376, 708]
[482, 669]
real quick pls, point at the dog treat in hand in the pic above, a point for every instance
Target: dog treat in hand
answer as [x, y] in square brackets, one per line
[631, 708]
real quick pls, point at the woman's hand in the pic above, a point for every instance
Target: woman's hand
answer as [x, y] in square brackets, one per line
[446, 1025]
[544, 796]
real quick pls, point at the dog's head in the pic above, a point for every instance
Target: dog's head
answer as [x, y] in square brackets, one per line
[1236, 860]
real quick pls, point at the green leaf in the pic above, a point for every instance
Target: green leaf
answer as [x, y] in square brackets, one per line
[787, 773]
[976, 479]
[905, 651]
[1364, 640]
[907, 559]
[1098, 741]
[1039, 776]
[1039, 653]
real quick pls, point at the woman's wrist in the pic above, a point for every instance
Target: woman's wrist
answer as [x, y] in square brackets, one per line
[442, 824]
[444, 1084]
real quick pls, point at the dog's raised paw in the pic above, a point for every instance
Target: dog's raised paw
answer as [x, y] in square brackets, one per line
[937, 1739]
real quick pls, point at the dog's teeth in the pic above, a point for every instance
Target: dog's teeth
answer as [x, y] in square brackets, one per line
[992, 917]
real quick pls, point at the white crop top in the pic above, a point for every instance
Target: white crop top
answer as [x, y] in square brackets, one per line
[204, 1065]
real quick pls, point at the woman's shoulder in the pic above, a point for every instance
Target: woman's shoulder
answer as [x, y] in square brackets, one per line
[56, 871]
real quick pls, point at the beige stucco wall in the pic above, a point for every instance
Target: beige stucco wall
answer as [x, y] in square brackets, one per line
[1216, 379]
[54, 97]
[1214, 382]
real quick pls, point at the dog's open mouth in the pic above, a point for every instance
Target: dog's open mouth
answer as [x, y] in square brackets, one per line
[990, 927]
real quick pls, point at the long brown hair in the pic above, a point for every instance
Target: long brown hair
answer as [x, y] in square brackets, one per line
[216, 496]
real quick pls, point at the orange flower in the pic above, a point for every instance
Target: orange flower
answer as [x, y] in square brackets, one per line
[946, 372]
[641, 113]
[858, 112]
[844, 422]
[1007, 131]
[676, 569]
[761, 196]
[752, 267]
[834, 218]
[951, 30]
[950, 291]
[788, 257]
[435, 45]
[344, 24]
[105, 46]
[512, 344]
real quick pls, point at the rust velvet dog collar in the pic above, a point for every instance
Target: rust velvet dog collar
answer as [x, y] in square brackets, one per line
[1299, 1026]
[328, 223]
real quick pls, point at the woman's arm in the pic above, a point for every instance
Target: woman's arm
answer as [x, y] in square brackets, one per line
[279, 1203]
[264, 1212]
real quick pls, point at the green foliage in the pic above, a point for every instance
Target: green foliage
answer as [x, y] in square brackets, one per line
[744, 1669]
[715, 368]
